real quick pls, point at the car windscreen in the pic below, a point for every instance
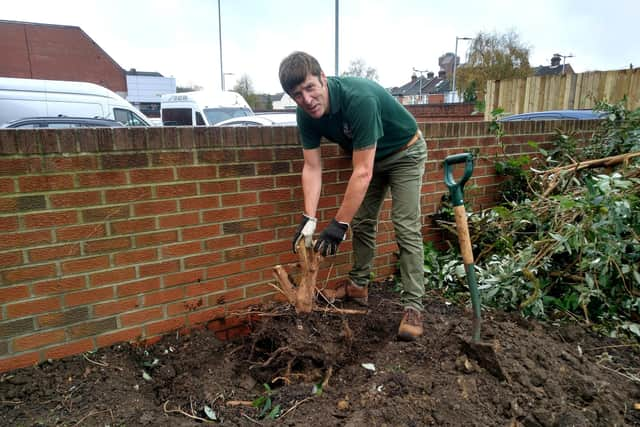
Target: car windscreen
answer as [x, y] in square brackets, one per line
[216, 115]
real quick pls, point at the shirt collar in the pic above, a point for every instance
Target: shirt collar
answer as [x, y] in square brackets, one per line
[334, 94]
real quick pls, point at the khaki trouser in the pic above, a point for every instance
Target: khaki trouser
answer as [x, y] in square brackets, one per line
[401, 173]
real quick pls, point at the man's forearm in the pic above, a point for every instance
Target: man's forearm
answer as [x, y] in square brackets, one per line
[311, 185]
[353, 196]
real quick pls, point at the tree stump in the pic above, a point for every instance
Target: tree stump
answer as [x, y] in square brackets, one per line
[302, 295]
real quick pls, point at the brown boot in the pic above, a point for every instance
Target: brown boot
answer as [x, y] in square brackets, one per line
[411, 325]
[348, 291]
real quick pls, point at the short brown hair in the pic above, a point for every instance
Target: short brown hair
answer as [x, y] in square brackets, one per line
[295, 68]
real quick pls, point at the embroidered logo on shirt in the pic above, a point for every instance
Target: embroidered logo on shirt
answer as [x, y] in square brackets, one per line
[346, 129]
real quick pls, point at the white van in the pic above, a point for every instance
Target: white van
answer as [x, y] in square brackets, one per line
[20, 98]
[202, 108]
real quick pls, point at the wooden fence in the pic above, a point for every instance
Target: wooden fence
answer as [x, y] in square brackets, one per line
[569, 91]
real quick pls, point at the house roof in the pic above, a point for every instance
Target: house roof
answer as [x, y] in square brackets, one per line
[422, 85]
[552, 70]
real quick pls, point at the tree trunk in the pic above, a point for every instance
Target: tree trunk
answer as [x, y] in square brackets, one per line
[302, 295]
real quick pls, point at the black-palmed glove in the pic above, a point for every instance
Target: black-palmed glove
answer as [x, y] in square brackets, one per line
[331, 237]
[304, 231]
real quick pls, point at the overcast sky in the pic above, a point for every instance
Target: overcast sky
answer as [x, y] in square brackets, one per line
[180, 38]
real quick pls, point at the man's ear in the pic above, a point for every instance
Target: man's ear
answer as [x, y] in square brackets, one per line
[323, 78]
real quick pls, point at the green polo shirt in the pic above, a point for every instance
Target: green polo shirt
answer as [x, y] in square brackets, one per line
[362, 114]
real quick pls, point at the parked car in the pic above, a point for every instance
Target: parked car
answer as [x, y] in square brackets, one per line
[202, 108]
[61, 123]
[52, 98]
[269, 119]
[555, 115]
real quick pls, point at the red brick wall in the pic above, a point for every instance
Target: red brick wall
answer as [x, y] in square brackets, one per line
[458, 112]
[110, 235]
[56, 52]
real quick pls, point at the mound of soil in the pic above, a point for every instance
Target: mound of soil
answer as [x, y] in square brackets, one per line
[331, 368]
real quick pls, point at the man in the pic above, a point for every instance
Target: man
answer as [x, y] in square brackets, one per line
[387, 151]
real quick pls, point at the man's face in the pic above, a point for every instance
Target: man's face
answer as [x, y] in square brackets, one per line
[312, 95]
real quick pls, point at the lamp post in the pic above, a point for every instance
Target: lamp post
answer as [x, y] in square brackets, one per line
[564, 59]
[455, 64]
[336, 36]
[220, 41]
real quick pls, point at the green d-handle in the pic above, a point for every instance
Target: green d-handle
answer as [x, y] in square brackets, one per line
[455, 188]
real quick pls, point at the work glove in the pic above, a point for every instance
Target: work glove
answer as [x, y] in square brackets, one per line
[304, 231]
[331, 237]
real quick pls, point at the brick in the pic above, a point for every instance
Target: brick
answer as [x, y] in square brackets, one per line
[255, 184]
[106, 214]
[70, 349]
[260, 263]
[154, 239]
[128, 195]
[15, 167]
[137, 256]
[183, 307]
[224, 270]
[115, 307]
[204, 287]
[30, 184]
[39, 340]
[86, 264]
[199, 203]
[50, 219]
[30, 203]
[204, 316]
[131, 226]
[8, 205]
[226, 297]
[33, 306]
[28, 273]
[216, 156]
[102, 179]
[259, 290]
[155, 208]
[80, 198]
[113, 276]
[239, 227]
[96, 327]
[127, 335]
[8, 223]
[21, 361]
[56, 286]
[80, 232]
[70, 164]
[159, 268]
[20, 240]
[236, 170]
[181, 249]
[202, 232]
[245, 252]
[278, 168]
[239, 199]
[179, 220]
[107, 245]
[146, 176]
[258, 237]
[124, 161]
[13, 293]
[275, 195]
[54, 252]
[172, 159]
[202, 260]
[63, 318]
[243, 279]
[88, 297]
[223, 243]
[141, 316]
[165, 326]
[10, 259]
[176, 190]
[183, 278]
[138, 287]
[218, 187]
[14, 328]
[163, 296]
[191, 173]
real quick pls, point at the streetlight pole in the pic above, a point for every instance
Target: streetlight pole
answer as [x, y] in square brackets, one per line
[220, 41]
[455, 64]
[336, 61]
[564, 59]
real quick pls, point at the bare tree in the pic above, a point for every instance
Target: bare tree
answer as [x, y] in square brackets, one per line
[359, 68]
[244, 87]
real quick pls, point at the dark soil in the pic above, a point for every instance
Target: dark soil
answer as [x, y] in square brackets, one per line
[534, 375]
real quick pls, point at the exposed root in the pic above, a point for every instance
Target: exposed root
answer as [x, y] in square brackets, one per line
[186, 414]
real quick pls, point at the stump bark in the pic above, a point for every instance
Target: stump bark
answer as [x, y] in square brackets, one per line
[301, 295]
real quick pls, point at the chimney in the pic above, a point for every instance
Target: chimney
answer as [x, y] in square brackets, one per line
[442, 74]
[430, 75]
[413, 77]
[555, 60]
